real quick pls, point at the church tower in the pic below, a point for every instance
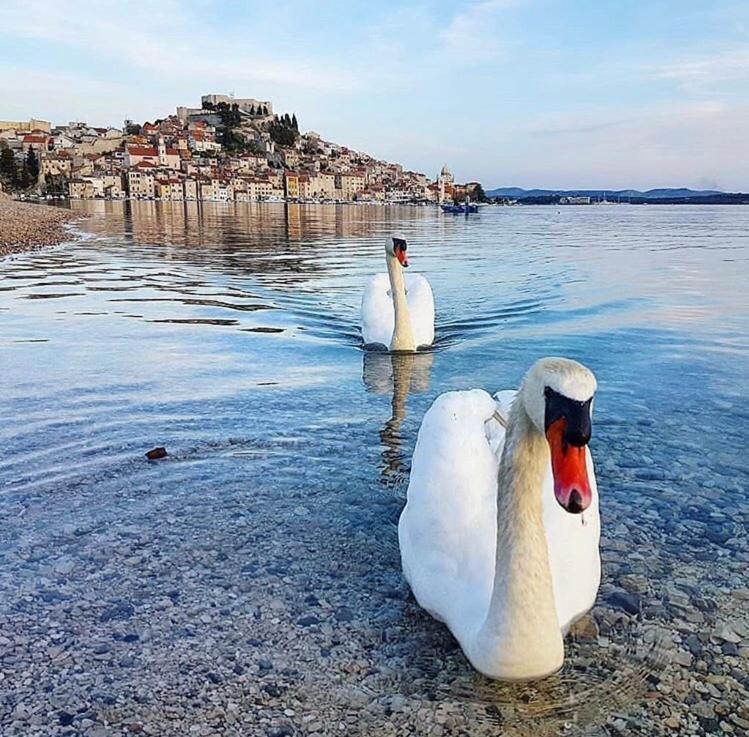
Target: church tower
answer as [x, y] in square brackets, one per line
[162, 152]
[446, 182]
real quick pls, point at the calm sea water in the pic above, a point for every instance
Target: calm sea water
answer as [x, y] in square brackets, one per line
[229, 335]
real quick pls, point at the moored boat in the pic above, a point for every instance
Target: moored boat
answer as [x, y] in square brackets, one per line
[460, 209]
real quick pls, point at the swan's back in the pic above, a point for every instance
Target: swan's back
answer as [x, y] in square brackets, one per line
[378, 314]
[421, 308]
[448, 529]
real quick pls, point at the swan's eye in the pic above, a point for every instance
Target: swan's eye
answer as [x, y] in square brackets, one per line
[548, 392]
[399, 243]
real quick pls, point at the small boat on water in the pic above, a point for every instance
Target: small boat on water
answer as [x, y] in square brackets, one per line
[460, 209]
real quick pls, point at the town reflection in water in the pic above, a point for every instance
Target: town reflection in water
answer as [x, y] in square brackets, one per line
[219, 223]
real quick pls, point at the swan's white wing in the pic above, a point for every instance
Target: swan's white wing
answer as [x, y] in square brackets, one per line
[495, 431]
[377, 314]
[421, 308]
[447, 530]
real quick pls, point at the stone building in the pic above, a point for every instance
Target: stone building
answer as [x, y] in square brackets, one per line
[445, 182]
[31, 125]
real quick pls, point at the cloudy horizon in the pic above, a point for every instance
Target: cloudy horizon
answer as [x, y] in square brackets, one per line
[528, 93]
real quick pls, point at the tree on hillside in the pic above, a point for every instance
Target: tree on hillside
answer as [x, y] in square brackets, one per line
[282, 134]
[479, 195]
[32, 164]
[24, 176]
[8, 170]
[132, 129]
[294, 123]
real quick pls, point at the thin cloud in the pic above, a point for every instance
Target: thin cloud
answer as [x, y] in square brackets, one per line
[472, 34]
[706, 69]
[164, 41]
[665, 145]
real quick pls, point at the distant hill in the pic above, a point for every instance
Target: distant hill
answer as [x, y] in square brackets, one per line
[518, 193]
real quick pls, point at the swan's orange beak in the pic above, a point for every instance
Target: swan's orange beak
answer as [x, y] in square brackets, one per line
[569, 468]
[400, 254]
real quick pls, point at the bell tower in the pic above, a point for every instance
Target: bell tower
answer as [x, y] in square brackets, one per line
[162, 151]
[446, 181]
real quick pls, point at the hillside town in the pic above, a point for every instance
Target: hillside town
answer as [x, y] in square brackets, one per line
[228, 149]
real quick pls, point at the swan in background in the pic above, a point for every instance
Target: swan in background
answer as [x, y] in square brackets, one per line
[397, 311]
[499, 536]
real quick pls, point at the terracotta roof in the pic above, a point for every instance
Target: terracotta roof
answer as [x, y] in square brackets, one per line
[142, 150]
[31, 138]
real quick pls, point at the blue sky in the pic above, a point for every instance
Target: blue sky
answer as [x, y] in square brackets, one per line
[510, 92]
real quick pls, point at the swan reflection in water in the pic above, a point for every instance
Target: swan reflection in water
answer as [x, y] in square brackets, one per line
[397, 374]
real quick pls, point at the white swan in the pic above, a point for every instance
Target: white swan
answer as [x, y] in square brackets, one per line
[499, 536]
[396, 313]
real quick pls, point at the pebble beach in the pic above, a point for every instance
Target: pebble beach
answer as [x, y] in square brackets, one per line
[239, 613]
[25, 226]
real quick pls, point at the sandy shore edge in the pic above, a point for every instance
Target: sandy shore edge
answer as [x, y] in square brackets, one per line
[26, 226]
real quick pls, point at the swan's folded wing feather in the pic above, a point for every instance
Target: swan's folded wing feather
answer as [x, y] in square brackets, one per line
[448, 528]
[377, 315]
[421, 308]
[495, 428]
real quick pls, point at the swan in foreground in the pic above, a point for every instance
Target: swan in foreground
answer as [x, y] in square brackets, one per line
[499, 536]
[397, 312]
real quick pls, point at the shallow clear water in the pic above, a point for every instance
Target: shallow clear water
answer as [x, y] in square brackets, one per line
[229, 336]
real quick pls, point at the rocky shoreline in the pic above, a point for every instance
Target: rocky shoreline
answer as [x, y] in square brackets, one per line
[25, 226]
[129, 609]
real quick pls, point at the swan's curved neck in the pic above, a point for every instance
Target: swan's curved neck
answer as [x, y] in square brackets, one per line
[403, 338]
[520, 637]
